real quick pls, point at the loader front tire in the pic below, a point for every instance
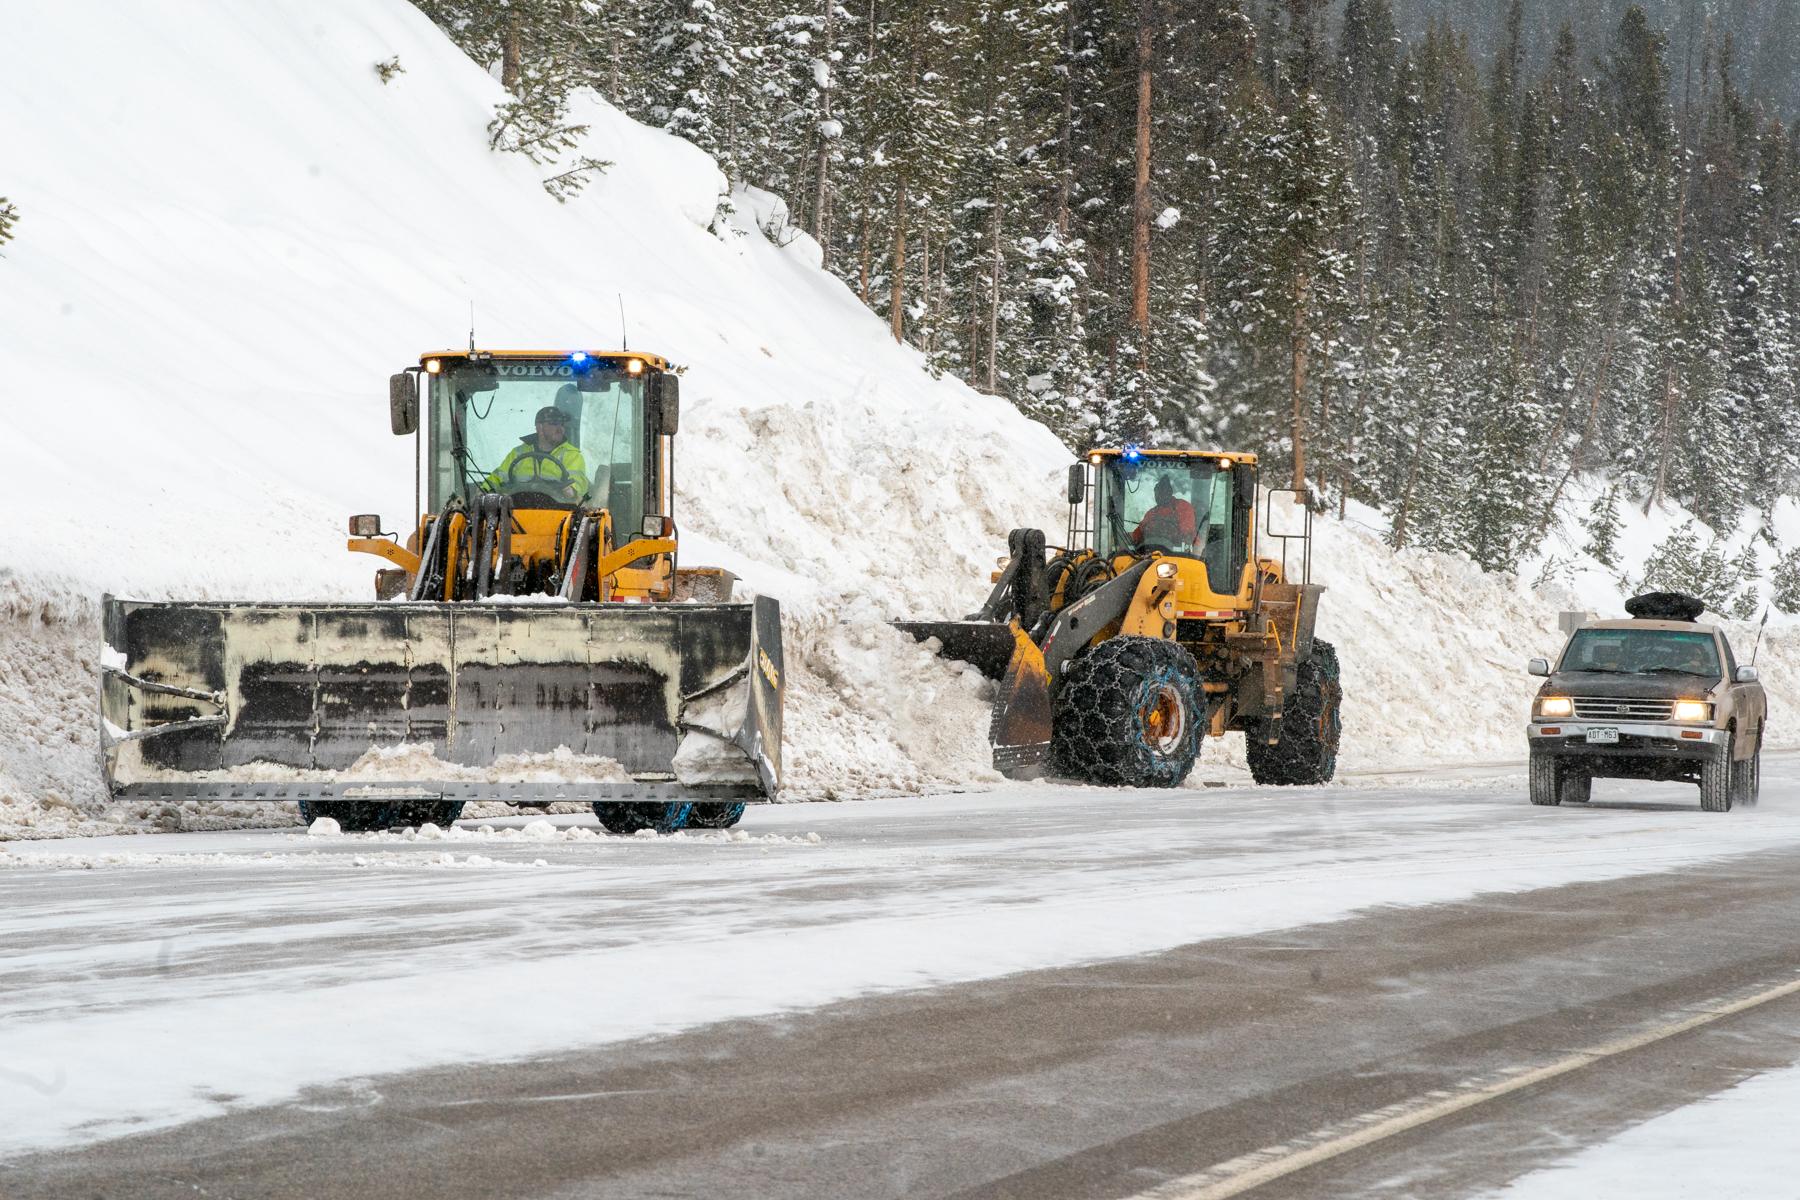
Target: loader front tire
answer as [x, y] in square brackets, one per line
[1129, 713]
[715, 816]
[364, 816]
[628, 819]
[1311, 726]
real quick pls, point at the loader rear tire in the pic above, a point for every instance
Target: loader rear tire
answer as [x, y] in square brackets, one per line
[715, 816]
[365, 816]
[628, 819]
[1311, 727]
[1129, 713]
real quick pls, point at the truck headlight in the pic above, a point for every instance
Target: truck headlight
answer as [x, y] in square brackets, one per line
[1556, 706]
[1693, 710]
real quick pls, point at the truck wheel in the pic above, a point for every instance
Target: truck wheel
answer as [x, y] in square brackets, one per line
[1129, 713]
[626, 819]
[1575, 786]
[1545, 780]
[364, 816]
[1311, 727]
[1753, 768]
[715, 816]
[1744, 778]
[1716, 779]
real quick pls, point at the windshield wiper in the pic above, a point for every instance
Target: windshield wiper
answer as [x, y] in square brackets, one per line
[1598, 671]
[1673, 671]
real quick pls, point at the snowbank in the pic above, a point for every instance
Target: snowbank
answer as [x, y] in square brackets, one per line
[232, 230]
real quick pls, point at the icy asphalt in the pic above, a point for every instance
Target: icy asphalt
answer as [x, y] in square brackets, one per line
[1037, 991]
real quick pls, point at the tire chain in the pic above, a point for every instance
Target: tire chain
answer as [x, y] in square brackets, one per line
[1096, 732]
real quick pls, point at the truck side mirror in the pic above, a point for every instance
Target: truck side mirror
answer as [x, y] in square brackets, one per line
[1746, 675]
[1538, 666]
[403, 403]
[1077, 483]
[665, 396]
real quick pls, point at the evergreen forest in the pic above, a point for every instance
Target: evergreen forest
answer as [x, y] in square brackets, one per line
[1436, 269]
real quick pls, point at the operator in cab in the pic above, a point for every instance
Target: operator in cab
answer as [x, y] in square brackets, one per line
[1170, 523]
[544, 461]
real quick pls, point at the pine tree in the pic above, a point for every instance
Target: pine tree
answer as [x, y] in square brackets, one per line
[9, 217]
[1784, 584]
[1602, 527]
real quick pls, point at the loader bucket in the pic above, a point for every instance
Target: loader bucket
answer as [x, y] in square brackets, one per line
[255, 701]
[985, 645]
[1020, 729]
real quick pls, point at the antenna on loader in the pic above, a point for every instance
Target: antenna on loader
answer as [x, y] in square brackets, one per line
[471, 327]
[624, 339]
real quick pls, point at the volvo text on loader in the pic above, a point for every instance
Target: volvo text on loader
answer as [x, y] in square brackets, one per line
[536, 606]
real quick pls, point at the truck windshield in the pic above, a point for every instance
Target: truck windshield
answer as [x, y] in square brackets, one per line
[540, 430]
[1642, 652]
[1180, 505]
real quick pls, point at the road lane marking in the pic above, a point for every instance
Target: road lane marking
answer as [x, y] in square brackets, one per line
[1236, 1176]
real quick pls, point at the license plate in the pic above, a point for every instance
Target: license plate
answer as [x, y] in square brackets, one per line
[1605, 735]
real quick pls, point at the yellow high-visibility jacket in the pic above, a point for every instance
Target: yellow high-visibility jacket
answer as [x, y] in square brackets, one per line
[555, 469]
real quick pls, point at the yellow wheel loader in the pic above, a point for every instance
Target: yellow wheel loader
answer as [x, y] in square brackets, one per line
[1155, 624]
[533, 640]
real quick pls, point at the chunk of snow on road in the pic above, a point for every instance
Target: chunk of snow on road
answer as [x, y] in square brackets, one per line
[323, 827]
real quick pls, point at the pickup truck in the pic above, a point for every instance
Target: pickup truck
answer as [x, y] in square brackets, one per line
[1657, 696]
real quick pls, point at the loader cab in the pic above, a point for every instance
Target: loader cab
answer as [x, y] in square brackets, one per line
[1188, 505]
[485, 436]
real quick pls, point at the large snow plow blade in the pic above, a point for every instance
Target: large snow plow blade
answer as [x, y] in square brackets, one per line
[296, 701]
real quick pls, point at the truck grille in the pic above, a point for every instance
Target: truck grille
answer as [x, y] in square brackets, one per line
[1603, 708]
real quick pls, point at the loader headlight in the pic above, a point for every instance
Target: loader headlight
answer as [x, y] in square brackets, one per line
[365, 525]
[433, 366]
[1556, 706]
[634, 366]
[1165, 570]
[1693, 710]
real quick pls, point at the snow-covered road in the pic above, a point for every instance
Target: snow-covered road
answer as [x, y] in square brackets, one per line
[150, 981]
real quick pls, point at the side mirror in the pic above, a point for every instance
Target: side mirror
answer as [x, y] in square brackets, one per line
[1538, 666]
[1077, 483]
[1244, 480]
[1746, 675]
[665, 398]
[403, 403]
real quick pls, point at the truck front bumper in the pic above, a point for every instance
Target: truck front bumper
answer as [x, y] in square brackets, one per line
[1636, 740]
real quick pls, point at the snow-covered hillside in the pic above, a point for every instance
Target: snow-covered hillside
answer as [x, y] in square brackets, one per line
[232, 230]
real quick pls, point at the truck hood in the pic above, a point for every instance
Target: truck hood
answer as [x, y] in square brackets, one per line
[1627, 687]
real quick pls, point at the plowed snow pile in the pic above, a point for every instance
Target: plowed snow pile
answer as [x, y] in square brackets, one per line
[231, 232]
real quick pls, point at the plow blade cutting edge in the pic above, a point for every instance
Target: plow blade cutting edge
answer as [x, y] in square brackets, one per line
[254, 701]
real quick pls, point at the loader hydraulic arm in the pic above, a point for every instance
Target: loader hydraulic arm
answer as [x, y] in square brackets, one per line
[1076, 625]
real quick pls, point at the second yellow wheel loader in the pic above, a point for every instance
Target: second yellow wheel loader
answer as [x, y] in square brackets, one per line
[1155, 624]
[534, 631]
